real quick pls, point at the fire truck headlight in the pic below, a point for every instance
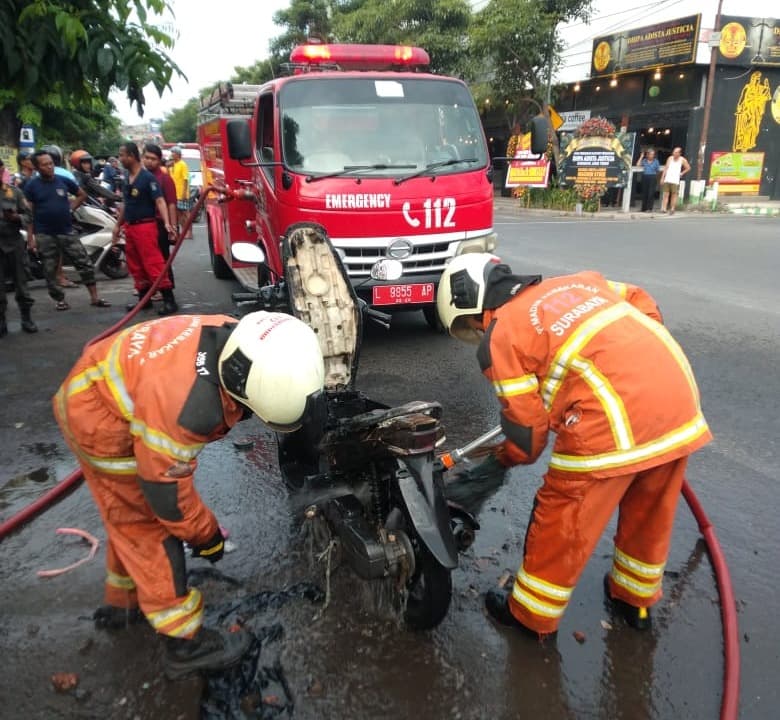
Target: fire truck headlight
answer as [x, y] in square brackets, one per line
[486, 243]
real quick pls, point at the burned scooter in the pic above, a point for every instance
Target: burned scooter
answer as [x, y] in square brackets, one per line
[365, 476]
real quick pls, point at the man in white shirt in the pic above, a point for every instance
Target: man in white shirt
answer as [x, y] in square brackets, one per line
[675, 169]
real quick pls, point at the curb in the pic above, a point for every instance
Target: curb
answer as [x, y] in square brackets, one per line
[769, 211]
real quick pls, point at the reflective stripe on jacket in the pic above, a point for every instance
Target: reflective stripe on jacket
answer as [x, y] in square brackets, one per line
[590, 360]
[145, 402]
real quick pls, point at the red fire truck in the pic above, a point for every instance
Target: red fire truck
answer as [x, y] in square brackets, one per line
[390, 159]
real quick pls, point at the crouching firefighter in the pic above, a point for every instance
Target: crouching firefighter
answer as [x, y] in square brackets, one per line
[137, 408]
[590, 360]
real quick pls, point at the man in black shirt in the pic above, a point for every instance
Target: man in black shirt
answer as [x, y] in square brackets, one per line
[143, 200]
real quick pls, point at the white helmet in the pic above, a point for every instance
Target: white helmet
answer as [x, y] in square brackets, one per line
[271, 363]
[462, 292]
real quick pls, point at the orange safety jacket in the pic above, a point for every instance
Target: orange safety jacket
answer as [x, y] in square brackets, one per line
[139, 406]
[590, 360]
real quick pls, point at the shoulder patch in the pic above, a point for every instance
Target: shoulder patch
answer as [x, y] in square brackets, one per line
[202, 411]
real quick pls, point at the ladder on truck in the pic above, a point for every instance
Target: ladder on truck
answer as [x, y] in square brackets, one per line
[229, 99]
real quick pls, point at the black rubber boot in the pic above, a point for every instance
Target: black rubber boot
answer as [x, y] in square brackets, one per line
[27, 322]
[146, 306]
[110, 617]
[638, 618]
[169, 303]
[210, 649]
[497, 605]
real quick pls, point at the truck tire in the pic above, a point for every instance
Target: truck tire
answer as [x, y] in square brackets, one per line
[221, 269]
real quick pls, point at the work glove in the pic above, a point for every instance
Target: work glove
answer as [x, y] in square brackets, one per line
[213, 549]
[474, 485]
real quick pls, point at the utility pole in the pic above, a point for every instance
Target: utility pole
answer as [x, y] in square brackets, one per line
[705, 123]
[552, 11]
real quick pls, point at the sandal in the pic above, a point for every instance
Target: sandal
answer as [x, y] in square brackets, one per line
[100, 303]
[62, 305]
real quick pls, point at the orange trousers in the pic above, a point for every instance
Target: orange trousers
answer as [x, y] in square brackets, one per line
[145, 564]
[567, 521]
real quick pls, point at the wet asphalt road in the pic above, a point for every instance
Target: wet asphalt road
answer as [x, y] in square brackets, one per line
[715, 281]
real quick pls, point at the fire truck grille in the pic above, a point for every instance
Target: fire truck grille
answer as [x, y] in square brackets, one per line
[425, 257]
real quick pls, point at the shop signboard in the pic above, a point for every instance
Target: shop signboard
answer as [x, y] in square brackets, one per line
[737, 172]
[652, 46]
[527, 169]
[572, 119]
[749, 41]
[596, 160]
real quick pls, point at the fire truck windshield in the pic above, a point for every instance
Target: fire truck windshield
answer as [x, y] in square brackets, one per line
[377, 126]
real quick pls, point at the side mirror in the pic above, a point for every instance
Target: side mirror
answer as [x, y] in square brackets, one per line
[387, 269]
[248, 253]
[239, 140]
[540, 131]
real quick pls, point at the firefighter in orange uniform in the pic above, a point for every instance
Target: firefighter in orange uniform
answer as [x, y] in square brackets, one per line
[590, 360]
[136, 409]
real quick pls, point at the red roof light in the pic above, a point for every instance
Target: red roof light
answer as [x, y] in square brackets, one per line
[361, 57]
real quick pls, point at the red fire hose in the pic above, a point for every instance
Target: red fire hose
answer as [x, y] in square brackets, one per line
[729, 706]
[70, 482]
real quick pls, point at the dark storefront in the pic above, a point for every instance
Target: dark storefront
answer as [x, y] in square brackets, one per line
[645, 80]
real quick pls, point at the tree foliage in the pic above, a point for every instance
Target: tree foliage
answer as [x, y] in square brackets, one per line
[439, 26]
[512, 41]
[180, 125]
[63, 54]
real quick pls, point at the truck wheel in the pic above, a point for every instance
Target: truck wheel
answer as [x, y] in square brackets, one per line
[221, 269]
[432, 318]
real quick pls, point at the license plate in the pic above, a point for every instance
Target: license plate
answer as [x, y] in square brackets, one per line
[404, 294]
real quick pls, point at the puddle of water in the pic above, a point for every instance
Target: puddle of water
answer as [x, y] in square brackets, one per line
[25, 486]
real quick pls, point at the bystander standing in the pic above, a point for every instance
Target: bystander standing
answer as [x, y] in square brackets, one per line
[181, 178]
[675, 169]
[12, 252]
[153, 163]
[143, 200]
[650, 170]
[51, 230]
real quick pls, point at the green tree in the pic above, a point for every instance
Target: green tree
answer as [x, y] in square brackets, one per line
[180, 124]
[63, 54]
[304, 20]
[438, 26]
[515, 45]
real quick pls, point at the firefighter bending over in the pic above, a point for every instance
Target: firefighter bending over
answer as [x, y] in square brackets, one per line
[590, 360]
[137, 408]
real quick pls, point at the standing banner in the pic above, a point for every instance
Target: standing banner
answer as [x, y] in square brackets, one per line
[597, 160]
[737, 172]
[527, 169]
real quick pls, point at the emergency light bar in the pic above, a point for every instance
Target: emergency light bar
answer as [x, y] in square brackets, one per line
[361, 57]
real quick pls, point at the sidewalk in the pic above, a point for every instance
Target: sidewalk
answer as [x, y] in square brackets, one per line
[506, 206]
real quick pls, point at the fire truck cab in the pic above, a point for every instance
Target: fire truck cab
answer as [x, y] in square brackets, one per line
[391, 160]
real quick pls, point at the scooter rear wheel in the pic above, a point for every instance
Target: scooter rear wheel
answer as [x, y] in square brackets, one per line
[430, 590]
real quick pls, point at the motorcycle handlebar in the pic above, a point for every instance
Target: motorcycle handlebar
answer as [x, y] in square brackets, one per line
[242, 297]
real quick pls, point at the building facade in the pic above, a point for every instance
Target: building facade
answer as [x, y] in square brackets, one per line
[647, 81]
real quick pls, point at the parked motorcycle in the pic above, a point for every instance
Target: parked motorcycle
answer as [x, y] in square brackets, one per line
[365, 476]
[94, 224]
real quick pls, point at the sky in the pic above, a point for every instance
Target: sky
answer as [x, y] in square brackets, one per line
[213, 38]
